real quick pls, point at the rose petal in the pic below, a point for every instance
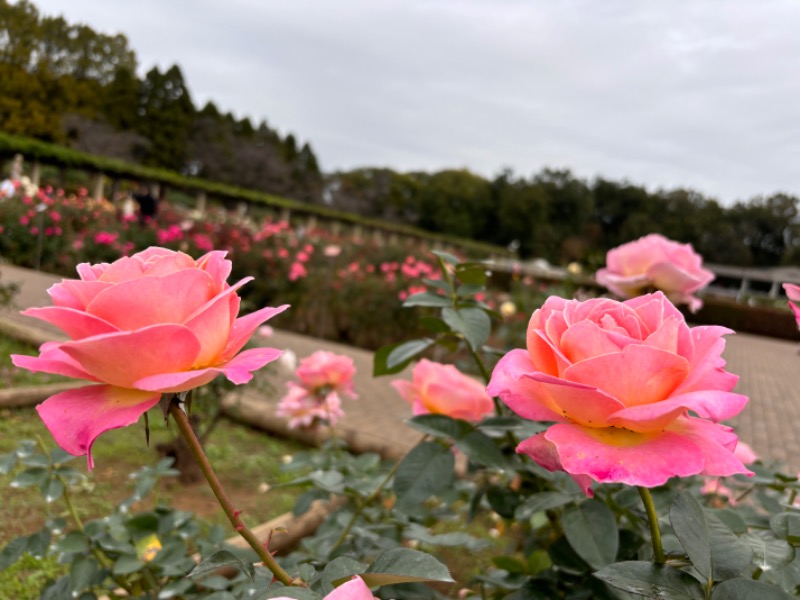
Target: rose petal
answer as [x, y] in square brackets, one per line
[243, 329]
[122, 358]
[711, 404]
[619, 456]
[637, 375]
[576, 402]
[545, 454]
[239, 370]
[706, 363]
[521, 394]
[77, 417]
[77, 324]
[716, 442]
[72, 293]
[149, 301]
[52, 359]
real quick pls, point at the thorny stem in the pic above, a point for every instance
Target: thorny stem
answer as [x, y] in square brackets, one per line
[652, 517]
[182, 421]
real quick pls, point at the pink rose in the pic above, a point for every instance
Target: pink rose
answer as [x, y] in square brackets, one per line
[305, 409]
[443, 389]
[156, 322]
[355, 589]
[656, 262]
[327, 371]
[619, 380]
[793, 292]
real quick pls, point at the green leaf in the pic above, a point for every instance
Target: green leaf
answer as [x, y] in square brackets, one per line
[503, 500]
[403, 565]
[471, 274]
[434, 324]
[73, 542]
[441, 426]
[12, 551]
[510, 564]
[394, 358]
[651, 581]
[747, 589]
[83, 573]
[472, 323]
[127, 564]
[482, 449]
[729, 554]
[52, 489]
[332, 481]
[787, 526]
[38, 543]
[427, 299]
[769, 552]
[28, 477]
[541, 501]
[341, 568]
[439, 284]
[425, 471]
[446, 257]
[689, 522]
[222, 558]
[7, 462]
[591, 530]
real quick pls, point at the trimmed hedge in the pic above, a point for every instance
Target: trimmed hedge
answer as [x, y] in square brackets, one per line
[61, 156]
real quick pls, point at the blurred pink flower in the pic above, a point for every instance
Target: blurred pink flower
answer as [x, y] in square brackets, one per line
[105, 238]
[328, 372]
[305, 409]
[443, 389]
[297, 271]
[620, 379]
[654, 261]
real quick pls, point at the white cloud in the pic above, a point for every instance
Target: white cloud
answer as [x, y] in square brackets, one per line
[664, 93]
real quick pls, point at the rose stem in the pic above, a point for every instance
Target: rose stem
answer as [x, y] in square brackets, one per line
[652, 517]
[188, 433]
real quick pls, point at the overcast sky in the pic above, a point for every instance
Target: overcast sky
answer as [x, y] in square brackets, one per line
[700, 93]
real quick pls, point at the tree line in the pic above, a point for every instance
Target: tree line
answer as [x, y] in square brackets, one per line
[66, 83]
[562, 218]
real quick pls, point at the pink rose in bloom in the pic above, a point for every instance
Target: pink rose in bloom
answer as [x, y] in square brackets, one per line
[656, 262]
[793, 292]
[327, 372]
[355, 589]
[322, 377]
[619, 380]
[443, 389]
[156, 322]
[304, 408]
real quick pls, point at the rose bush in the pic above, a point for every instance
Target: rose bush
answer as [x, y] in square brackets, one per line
[619, 379]
[656, 262]
[156, 322]
[443, 389]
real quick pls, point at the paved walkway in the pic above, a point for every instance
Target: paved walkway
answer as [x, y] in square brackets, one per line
[769, 371]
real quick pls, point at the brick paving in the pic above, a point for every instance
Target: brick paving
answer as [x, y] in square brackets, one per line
[769, 373]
